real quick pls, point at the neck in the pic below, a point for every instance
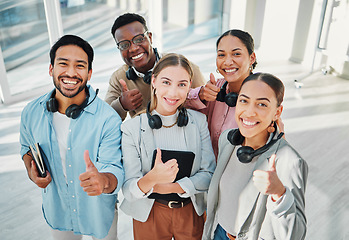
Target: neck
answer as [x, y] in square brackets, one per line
[257, 141]
[64, 102]
[235, 86]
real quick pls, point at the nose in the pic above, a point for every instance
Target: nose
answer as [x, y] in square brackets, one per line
[133, 47]
[228, 60]
[172, 92]
[70, 71]
[250, 110]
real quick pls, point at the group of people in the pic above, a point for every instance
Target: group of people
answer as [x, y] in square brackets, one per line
[197, 159]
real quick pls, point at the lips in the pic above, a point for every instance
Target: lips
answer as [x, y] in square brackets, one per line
[137, 57]
[231, 70]
[171, 101]
[249, 123]
[69, 82]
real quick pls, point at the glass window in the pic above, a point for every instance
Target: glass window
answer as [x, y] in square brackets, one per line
[24, 42]
[198, 20]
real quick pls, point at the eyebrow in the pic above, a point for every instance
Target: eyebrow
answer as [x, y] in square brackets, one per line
[235, 49]
[183, 80]
[263, 98]
[65, 59]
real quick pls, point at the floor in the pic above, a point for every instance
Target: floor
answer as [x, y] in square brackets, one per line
[316, 118]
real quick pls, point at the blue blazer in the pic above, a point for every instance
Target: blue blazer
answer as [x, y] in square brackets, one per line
[137, 148]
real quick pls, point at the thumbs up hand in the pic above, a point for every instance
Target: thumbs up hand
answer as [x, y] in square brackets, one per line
[130, 99]
[268, 182]
[164, 172]
[92, 182]
[210, 90]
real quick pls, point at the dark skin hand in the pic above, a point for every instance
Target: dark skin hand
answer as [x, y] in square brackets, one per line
[130, 99]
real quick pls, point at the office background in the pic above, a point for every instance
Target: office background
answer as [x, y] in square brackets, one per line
[303, 40]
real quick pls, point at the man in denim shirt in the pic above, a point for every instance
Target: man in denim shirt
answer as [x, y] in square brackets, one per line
[80, 135]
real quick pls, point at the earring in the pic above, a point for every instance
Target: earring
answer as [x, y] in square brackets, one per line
[251, 69]
[217, 71]
[271, 128]
[154, 91]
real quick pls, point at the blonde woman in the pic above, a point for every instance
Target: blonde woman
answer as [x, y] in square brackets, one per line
[162, 205]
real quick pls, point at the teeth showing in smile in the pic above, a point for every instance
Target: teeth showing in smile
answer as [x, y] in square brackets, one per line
[249, 123]
[66, 81]
[170, 101]
[138, 56]
[231, 70]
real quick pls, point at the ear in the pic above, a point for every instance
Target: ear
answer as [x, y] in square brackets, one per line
[89, 75]
[153, 81]
[278, 112]
[50, 70]
[150, 35]
[252, 58]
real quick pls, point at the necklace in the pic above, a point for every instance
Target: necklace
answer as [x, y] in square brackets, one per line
[171, 124]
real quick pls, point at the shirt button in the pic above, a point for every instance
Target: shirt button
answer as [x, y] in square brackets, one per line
[74, 210]
[73, 197]
[69, 165]
[71, 181]
[69, 130]
[69, 148]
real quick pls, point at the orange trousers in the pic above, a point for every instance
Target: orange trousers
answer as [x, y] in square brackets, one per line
[164, 223]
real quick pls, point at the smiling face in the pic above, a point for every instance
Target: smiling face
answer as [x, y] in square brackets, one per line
[70, 71]
[141, 57]
[233, 61]
[172, 86]
[256, 108]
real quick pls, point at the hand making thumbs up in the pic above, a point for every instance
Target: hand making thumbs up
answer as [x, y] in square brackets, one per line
[268, 182]
[210, 90]
[130, 99]
[164, 172]
[92, 182]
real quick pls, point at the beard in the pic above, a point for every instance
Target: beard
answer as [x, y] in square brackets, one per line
[68, 93]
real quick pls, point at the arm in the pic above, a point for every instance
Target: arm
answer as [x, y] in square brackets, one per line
[113, 94]
[200, 181]
[287, 214]
[106, 167]
[30, 166]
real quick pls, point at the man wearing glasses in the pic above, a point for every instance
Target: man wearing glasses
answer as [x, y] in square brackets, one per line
[129, 86]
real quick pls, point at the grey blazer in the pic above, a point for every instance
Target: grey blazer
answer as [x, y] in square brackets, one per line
[137, 148]
[254, 219]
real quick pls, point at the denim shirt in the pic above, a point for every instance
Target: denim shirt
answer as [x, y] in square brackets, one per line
[66, 206]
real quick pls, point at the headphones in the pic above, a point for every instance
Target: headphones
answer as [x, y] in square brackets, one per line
[132, 75]
[155, 122]
[230, 99]
[74, 110]
[245, 154]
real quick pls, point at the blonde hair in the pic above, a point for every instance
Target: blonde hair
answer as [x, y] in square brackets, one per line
[169, 60]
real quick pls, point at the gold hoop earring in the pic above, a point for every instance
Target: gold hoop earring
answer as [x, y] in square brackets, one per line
[217, 71]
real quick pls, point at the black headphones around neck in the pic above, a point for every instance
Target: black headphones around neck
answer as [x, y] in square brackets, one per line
[74, 110]
[155, 122]
[245, 154]
[132, 75]
[230, 99]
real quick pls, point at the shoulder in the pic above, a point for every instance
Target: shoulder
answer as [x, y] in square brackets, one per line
[36, 104]
[196, 116]
[223, 138]
[289, 156]
[120, 72]
[104, 112]
[132, 123]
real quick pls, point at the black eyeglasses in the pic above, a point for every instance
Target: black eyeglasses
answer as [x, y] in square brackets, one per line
[126, 44]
